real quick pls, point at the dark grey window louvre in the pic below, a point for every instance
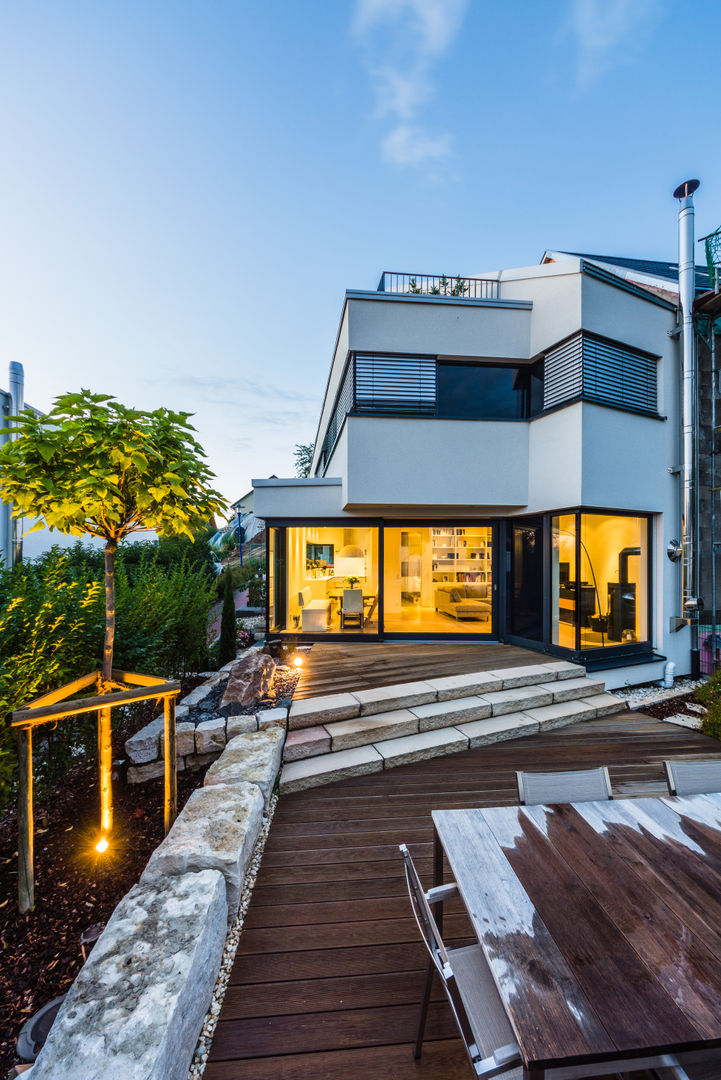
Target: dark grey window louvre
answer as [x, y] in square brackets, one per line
[343, 405]
[587, 366]
[563, 373]
[395, 384]
[619, 375]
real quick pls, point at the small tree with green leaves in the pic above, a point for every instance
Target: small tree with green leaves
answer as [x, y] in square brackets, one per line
[303, 454]
[227, 648]
[94, 467]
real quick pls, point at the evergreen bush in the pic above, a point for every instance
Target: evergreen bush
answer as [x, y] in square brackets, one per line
[228, 646]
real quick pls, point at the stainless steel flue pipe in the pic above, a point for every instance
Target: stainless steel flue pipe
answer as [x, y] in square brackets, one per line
[690, 600]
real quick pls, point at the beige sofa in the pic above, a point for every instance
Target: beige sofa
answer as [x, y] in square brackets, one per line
[463, 601]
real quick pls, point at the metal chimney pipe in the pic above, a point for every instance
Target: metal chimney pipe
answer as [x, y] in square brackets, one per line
[690, 600]
[16, 379]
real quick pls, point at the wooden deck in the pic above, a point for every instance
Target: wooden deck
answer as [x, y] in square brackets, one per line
[328, 974]
[357, 665]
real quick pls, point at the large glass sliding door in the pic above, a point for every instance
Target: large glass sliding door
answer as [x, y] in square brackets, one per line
[438, 579]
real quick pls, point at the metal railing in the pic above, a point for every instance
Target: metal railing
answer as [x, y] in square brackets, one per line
[468, 288]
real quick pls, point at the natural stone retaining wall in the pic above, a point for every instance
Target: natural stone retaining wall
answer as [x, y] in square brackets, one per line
[136, 1009]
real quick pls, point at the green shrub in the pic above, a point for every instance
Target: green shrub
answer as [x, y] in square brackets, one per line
[228, 646]
[52, 617]
[709, 694]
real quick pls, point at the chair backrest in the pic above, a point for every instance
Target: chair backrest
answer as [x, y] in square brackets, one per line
[693, 777]
[423, 915]
[580, 785]
[352, 601]
[305, 596]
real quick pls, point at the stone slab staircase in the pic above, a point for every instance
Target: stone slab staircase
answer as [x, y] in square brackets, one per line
[342, 735]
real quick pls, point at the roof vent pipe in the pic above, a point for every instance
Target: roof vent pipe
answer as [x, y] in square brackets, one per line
[17, 386]
[690, 600]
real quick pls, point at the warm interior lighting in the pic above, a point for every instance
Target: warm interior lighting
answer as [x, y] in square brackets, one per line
[297, 661]
[102, 845]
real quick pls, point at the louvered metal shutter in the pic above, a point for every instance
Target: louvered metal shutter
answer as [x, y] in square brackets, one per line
[619, 375]
[396, 384]
[563, 373]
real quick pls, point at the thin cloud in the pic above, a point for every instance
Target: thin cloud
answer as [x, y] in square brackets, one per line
[606, 33]
[403, 40]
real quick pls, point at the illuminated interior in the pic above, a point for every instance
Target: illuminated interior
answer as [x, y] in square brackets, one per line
[332, 580]
[438, 579]
[606, 603]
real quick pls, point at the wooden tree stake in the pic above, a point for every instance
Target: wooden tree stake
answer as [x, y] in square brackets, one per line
[26, 880]
[171, 764]
[105, 758]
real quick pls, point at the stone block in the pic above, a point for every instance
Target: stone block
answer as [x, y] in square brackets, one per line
[137, 1007]
[277, 717]
[523, 676]
[181, 713]
[184, 739]
[498, 729]
[450, 713]
[216, 830]
[306, 742]
[197, 761]
[309, 712]
[240, 725]
[250, 679]
[428, 744]
[518, 699]
[572, 689]
[138, 774]
[196, 696]
[564, 669]
[561, 713]
[210, 735]
[312, 772]
[381, 699]
[466, 685]
[253, 758]
[364, 730]
[607, 704]
[144, 745]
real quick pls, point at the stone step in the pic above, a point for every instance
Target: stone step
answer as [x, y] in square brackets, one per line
[386, 752]
[451, 712]
[331, 708]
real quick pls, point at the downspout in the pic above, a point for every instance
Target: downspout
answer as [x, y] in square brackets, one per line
[17, 398]
[691, 603]
[5, 527]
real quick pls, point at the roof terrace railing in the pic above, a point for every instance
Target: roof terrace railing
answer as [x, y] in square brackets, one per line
[468, 288]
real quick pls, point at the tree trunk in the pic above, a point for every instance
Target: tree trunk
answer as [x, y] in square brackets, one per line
[110, 548]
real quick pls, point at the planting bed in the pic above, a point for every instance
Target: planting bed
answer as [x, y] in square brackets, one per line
[74, 886]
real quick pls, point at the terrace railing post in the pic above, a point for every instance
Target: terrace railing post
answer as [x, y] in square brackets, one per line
[105, 759]
[26, 877]
[171, 764]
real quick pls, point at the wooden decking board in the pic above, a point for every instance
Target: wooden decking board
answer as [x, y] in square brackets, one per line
[336, 667]
[329, 919]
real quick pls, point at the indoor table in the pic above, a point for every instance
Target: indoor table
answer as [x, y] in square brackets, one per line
[601, 923]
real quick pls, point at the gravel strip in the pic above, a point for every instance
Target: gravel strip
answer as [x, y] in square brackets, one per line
[640, 696]
[200, 1057]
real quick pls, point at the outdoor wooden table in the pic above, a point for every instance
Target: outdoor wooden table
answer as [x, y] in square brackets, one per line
[601, 923]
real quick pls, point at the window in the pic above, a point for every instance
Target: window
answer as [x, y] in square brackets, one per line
[489, 391]
[599, 580]
[330, 580]
[599, 370]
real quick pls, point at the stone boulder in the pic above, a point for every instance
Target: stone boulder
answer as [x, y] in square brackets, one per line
[216, 829]
[250, 679]
[253, 758]
[210, 736]
[137, 1007]
[144, 745]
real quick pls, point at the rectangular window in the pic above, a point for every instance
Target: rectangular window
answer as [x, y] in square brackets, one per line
[563, 581]
[489, 391]
[438, 579]
[395, 384]
[614, 571]
[331, 576]
[592, 368]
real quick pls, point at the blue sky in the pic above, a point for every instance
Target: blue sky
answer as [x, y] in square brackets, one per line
[188, 188]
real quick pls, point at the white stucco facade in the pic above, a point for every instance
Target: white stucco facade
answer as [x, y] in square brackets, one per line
[580, 454]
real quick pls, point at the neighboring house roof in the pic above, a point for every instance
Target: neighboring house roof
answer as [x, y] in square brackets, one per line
[646, 268]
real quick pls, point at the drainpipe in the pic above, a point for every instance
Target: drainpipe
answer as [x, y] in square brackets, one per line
[17, 398]
[691, 603]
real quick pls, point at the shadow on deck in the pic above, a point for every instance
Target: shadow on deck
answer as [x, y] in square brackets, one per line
[329, 970]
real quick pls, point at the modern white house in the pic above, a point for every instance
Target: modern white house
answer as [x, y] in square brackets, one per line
[500, 458]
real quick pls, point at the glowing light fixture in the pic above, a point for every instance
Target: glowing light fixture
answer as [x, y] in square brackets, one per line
[102, 845]
[297, 660]
[350, 561]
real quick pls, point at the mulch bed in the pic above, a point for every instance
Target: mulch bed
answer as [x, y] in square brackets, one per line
[669, 707]
[74, 886]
